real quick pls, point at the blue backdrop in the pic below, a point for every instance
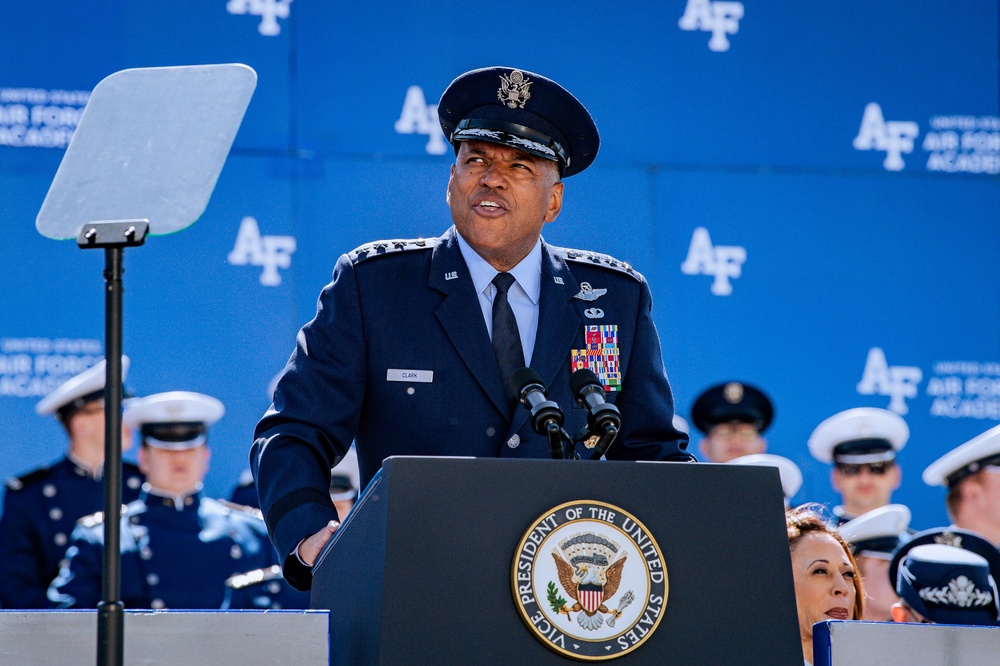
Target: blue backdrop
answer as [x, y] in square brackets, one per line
[811, 190]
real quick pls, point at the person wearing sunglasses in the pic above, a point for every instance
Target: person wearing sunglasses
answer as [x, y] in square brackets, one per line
[971, 473]
[862, 444]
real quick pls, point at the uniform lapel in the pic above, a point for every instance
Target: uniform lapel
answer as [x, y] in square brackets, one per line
[460, 316]
[558, 324]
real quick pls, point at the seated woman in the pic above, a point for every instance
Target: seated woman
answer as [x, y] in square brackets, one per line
[827, 583]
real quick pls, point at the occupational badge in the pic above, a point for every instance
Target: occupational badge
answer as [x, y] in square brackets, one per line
[588, 293]
[600, 355]
[589, 580]
[514, 89]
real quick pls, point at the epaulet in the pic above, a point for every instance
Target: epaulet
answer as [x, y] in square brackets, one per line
[93, 520]
[241, 508]
[16, 483]
[378, 248]
[239, 581]
[595, 259]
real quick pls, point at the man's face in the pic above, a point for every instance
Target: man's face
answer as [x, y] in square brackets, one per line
[174, 471]
[86, 427]
[726, 441]
[500, 198]
[866, 486]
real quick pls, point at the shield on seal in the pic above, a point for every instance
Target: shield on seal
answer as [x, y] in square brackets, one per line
[591, 597]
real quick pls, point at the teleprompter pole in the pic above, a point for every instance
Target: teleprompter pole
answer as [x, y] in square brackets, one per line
[113, 237]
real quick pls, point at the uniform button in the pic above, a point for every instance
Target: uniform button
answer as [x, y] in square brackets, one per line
[60, 539]
[49, 490]
[188, 501]
[514, 441]
[157, 604]
[55, 514]
[274, 587]
[236, 552]
[133, 483]
[145, 552]
[153, 579]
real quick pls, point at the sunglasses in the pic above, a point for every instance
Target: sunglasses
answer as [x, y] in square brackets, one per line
[876, 468]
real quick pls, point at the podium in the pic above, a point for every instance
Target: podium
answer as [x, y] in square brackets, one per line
[425, 568]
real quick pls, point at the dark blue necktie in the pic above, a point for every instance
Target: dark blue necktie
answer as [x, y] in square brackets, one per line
[506, 338]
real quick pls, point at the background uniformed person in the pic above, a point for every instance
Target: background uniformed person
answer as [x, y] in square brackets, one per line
[788, 471]
[971, 473]
[733, 415]
[874, 537]
[862, 444]
[41, 507]
[415, 342]
[946, 576]
[178, 547]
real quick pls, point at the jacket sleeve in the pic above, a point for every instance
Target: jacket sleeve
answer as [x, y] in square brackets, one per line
[312, 421]
[646, 402]
[22, 561]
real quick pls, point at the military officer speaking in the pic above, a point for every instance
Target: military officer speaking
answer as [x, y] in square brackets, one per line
[178, 548]
[414, 341]
[41, 507]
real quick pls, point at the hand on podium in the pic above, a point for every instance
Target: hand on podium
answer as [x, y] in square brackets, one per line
[310, 547]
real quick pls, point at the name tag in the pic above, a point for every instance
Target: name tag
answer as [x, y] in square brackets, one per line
[421, 376]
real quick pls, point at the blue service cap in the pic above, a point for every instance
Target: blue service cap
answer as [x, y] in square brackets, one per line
[175, 420]
[948, 585]
[859, 436]
[732, 401]
[523, 110]
[77, 391]
[945, 587]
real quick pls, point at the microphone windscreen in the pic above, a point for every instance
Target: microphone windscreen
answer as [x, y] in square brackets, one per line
[524, 377]
[583, 377]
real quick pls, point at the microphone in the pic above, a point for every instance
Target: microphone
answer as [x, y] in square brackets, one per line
[546, 416]
[603, 418]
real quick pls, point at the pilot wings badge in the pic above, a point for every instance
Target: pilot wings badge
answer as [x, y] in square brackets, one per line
[514, 89]
[588, 293]
[589, 580]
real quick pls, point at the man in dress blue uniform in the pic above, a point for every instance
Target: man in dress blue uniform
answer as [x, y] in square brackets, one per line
[971, 473]
[41, 507]
[862, 444]
[733, 415]
[414, 341]
[178, 548]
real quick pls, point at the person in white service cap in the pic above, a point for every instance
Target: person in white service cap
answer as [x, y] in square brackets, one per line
[862, 444]
[971, 473]
[873, 537]
[41, 507]
[791, 475]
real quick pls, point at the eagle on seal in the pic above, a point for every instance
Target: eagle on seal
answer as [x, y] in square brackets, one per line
[590, 581]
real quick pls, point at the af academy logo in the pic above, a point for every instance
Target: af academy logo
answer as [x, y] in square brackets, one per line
[269, 252]
[898, 382]
[718, 17]
[722, 262]
[895, 137]
[419, 117]
[589, 581]
[269, 12]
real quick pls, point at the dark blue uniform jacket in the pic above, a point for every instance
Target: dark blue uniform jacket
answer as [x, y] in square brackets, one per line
[400, 306]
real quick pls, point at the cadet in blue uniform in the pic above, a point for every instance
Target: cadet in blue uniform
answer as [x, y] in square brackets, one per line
[873, 537]
[414, 341]
[41, 507]
[862, 444]
[178, 547]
